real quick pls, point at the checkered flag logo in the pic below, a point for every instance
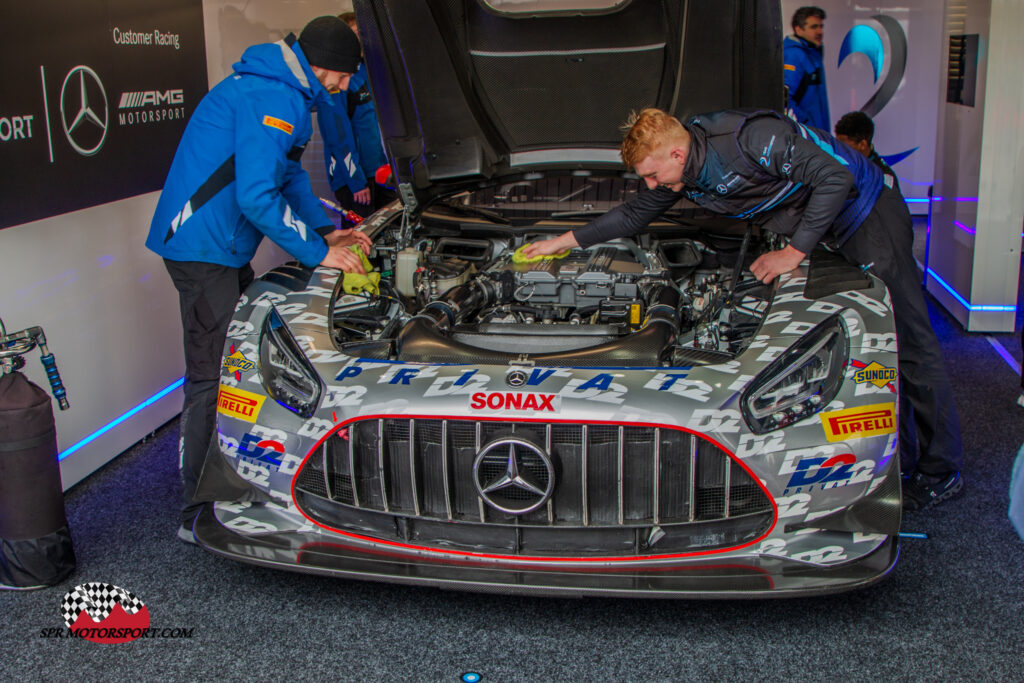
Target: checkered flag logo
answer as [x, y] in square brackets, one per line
[97, 600]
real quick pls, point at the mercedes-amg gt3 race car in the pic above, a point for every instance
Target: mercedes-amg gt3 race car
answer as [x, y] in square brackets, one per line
[639, 418]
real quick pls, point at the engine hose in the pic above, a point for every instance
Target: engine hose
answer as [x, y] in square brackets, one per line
[424, 340]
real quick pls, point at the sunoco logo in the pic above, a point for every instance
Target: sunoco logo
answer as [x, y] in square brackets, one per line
[876, 374]
[150, 106]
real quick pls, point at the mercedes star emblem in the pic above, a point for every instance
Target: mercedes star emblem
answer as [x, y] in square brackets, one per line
[513, 475]
[87, 128]
[516, 378]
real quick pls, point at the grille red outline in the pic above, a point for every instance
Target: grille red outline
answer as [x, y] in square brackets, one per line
[532, 558]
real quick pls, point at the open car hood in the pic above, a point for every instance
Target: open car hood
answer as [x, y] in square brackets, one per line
[474, 90]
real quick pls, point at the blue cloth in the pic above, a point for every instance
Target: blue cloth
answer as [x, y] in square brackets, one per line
[351, 133]
[260, 117]
[804, 61]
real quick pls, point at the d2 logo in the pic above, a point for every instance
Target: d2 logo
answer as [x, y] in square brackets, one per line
[266, 450]
[838, 468]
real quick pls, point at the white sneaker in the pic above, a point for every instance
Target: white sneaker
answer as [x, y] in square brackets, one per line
[1020, 399]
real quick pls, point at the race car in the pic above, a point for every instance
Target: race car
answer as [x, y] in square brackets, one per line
[639, 418]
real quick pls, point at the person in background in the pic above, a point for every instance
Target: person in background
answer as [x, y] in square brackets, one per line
[804, 68]
[236, 179]
[352, 142]
[858, 130]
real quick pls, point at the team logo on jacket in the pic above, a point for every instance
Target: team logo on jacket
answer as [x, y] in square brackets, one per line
[238, 403]
[278, 123]
[859, 422]
[876, 374]
[509, 400]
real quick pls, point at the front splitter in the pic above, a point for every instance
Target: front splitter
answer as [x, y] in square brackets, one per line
[317, 552]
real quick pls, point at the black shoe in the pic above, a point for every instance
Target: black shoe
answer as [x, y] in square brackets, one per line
[923, 491]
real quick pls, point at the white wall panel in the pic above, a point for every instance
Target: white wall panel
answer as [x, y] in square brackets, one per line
[110, 319]
[975, 240]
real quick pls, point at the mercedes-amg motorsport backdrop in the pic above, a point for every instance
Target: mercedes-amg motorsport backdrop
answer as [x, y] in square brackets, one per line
[96, 96]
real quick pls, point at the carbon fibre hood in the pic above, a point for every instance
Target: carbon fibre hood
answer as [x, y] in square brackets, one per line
[466, 92]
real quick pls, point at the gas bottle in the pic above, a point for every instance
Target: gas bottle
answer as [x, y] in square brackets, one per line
[35, 541]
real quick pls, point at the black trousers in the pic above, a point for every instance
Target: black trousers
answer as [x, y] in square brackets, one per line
[928, 413]
[208, 294]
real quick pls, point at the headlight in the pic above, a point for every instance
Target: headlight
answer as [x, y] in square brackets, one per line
[286, 372]
[801, 381]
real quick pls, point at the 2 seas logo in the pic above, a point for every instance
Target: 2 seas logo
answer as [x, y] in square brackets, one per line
[105, 613]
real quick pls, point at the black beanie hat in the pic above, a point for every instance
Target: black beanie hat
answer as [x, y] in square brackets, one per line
[330, 44]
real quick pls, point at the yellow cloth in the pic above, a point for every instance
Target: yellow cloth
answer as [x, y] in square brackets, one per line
[518, 256]
[355, 283]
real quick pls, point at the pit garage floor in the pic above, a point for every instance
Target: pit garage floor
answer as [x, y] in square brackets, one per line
[953, 608]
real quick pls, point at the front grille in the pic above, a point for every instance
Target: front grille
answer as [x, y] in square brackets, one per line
[645, 482]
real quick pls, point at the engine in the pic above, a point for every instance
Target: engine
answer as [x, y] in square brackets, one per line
[458, 299]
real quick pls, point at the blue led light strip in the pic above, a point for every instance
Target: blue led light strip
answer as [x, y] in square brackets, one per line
[963, 301]
[116, 421]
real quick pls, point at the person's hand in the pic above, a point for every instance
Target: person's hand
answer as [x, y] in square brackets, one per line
[363, 196]
[343, 258]
[348, 237]
[769, 266]
[553, 246]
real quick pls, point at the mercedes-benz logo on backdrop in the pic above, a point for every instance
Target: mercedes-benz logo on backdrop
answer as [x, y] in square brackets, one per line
[513, 475]
[83, 110]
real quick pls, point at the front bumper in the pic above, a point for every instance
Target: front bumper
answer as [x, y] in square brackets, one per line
[315, 552]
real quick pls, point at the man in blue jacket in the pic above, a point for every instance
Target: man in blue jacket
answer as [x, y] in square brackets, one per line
[796, 181]
[352, 144]
[236, 178]
[804, 68]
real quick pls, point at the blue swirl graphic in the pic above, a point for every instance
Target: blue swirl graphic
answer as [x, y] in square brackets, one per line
[865, 40]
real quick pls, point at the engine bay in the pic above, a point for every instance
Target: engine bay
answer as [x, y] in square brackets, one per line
[654, 300]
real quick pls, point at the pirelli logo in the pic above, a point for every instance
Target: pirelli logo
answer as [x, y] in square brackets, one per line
[859, 422]
[278, 123]
[239, 403]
